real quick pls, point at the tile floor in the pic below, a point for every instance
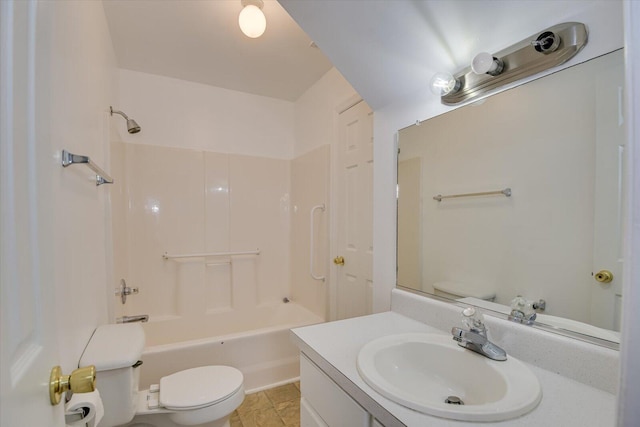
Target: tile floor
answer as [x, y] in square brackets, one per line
[276, 407]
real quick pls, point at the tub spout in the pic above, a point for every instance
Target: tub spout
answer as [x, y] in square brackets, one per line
[131, 319]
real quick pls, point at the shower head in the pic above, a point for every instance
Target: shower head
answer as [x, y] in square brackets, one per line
[132, 126]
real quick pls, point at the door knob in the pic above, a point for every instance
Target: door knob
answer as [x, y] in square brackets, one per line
[338, 260]
[82, 380]
[604, 276]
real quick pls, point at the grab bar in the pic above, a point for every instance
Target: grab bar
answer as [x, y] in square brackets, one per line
[69, 159]
[506, 192]
[312, 244]
[211, 254]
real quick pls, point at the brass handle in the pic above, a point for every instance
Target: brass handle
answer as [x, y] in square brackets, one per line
[82, 380]
[604, 276]
[338, 260]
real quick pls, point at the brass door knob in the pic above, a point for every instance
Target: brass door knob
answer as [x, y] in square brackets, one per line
[82, 380]
[338, 260]
[604, 276]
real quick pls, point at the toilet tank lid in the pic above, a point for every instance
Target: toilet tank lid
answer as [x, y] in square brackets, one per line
[114, 346]
[465, 290]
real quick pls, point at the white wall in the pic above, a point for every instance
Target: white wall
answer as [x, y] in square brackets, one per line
[315, 112]
[178, 113]
[81, 68]
[605, 34]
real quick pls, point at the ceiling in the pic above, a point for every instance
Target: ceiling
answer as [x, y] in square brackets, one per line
[200, 41]
[387, 49]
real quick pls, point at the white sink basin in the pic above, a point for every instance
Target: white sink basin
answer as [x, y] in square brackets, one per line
[420, 371]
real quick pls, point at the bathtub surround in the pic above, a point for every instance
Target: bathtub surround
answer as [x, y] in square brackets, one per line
[309, 188]
[187, 201]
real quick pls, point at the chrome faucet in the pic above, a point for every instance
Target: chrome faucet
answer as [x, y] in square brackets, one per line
[475, 337]
[523, 311]
[131, 319]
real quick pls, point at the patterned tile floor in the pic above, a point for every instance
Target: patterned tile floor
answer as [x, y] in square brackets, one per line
[276, 407]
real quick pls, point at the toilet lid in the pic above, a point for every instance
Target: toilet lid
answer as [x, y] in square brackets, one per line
[199, 387]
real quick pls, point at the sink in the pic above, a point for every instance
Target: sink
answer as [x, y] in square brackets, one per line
[422, 371]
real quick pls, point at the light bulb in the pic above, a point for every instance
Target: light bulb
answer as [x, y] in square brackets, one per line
[443, 84]
[485, 63]
[252, 21]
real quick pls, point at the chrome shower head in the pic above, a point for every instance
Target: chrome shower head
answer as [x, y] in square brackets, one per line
[132, 126]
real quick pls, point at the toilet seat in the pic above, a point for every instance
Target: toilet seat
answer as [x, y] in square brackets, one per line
[199, 387]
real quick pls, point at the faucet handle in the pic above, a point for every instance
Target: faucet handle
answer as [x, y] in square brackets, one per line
[473, 320]
[125, 290]
[524, 311]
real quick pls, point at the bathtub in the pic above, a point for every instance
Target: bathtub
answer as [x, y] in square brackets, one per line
[255, 341]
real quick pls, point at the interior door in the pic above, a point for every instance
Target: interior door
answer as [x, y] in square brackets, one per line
[354, 260]
[606, 296]
[28, 347]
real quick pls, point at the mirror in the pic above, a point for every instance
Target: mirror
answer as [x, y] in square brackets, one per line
[558, 144]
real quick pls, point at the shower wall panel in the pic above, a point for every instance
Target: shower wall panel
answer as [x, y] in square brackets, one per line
[309, 188]
[184, 201]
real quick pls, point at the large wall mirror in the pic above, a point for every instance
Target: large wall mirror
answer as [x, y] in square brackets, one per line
[558, 144]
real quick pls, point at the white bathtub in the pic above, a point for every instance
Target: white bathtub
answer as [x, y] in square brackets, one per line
[255, 341]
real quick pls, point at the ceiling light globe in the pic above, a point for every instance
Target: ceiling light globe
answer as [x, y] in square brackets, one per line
[443, 84]
[252, 21]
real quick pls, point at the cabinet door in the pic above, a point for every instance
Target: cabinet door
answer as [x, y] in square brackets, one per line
[308, 416]
[328, 400]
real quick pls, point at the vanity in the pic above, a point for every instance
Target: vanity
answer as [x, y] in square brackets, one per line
[578, 379]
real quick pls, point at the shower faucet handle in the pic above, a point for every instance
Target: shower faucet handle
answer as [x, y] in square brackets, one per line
[125, 290]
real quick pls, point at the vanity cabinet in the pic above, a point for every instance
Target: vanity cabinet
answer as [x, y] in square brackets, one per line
[324, 403]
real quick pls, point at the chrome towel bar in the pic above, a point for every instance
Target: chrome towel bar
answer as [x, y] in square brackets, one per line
[506, 192]
[210, 254]
[69, 159]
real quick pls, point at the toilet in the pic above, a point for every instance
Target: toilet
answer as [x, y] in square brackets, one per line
[458, 291]
[207, 394]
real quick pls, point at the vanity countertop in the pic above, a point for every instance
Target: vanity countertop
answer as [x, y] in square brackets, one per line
[334, 348]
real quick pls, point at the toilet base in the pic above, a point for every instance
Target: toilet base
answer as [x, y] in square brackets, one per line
[162, 417]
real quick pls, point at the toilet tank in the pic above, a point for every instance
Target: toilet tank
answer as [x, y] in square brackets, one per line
[115, 351]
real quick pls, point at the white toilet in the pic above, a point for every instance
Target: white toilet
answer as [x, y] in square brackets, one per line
[458, 291]
[208, 394]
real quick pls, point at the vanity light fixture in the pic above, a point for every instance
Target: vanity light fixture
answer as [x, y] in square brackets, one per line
[251, 19]
[539, 52]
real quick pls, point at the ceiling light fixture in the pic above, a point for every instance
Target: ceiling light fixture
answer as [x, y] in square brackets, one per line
[251, 19]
